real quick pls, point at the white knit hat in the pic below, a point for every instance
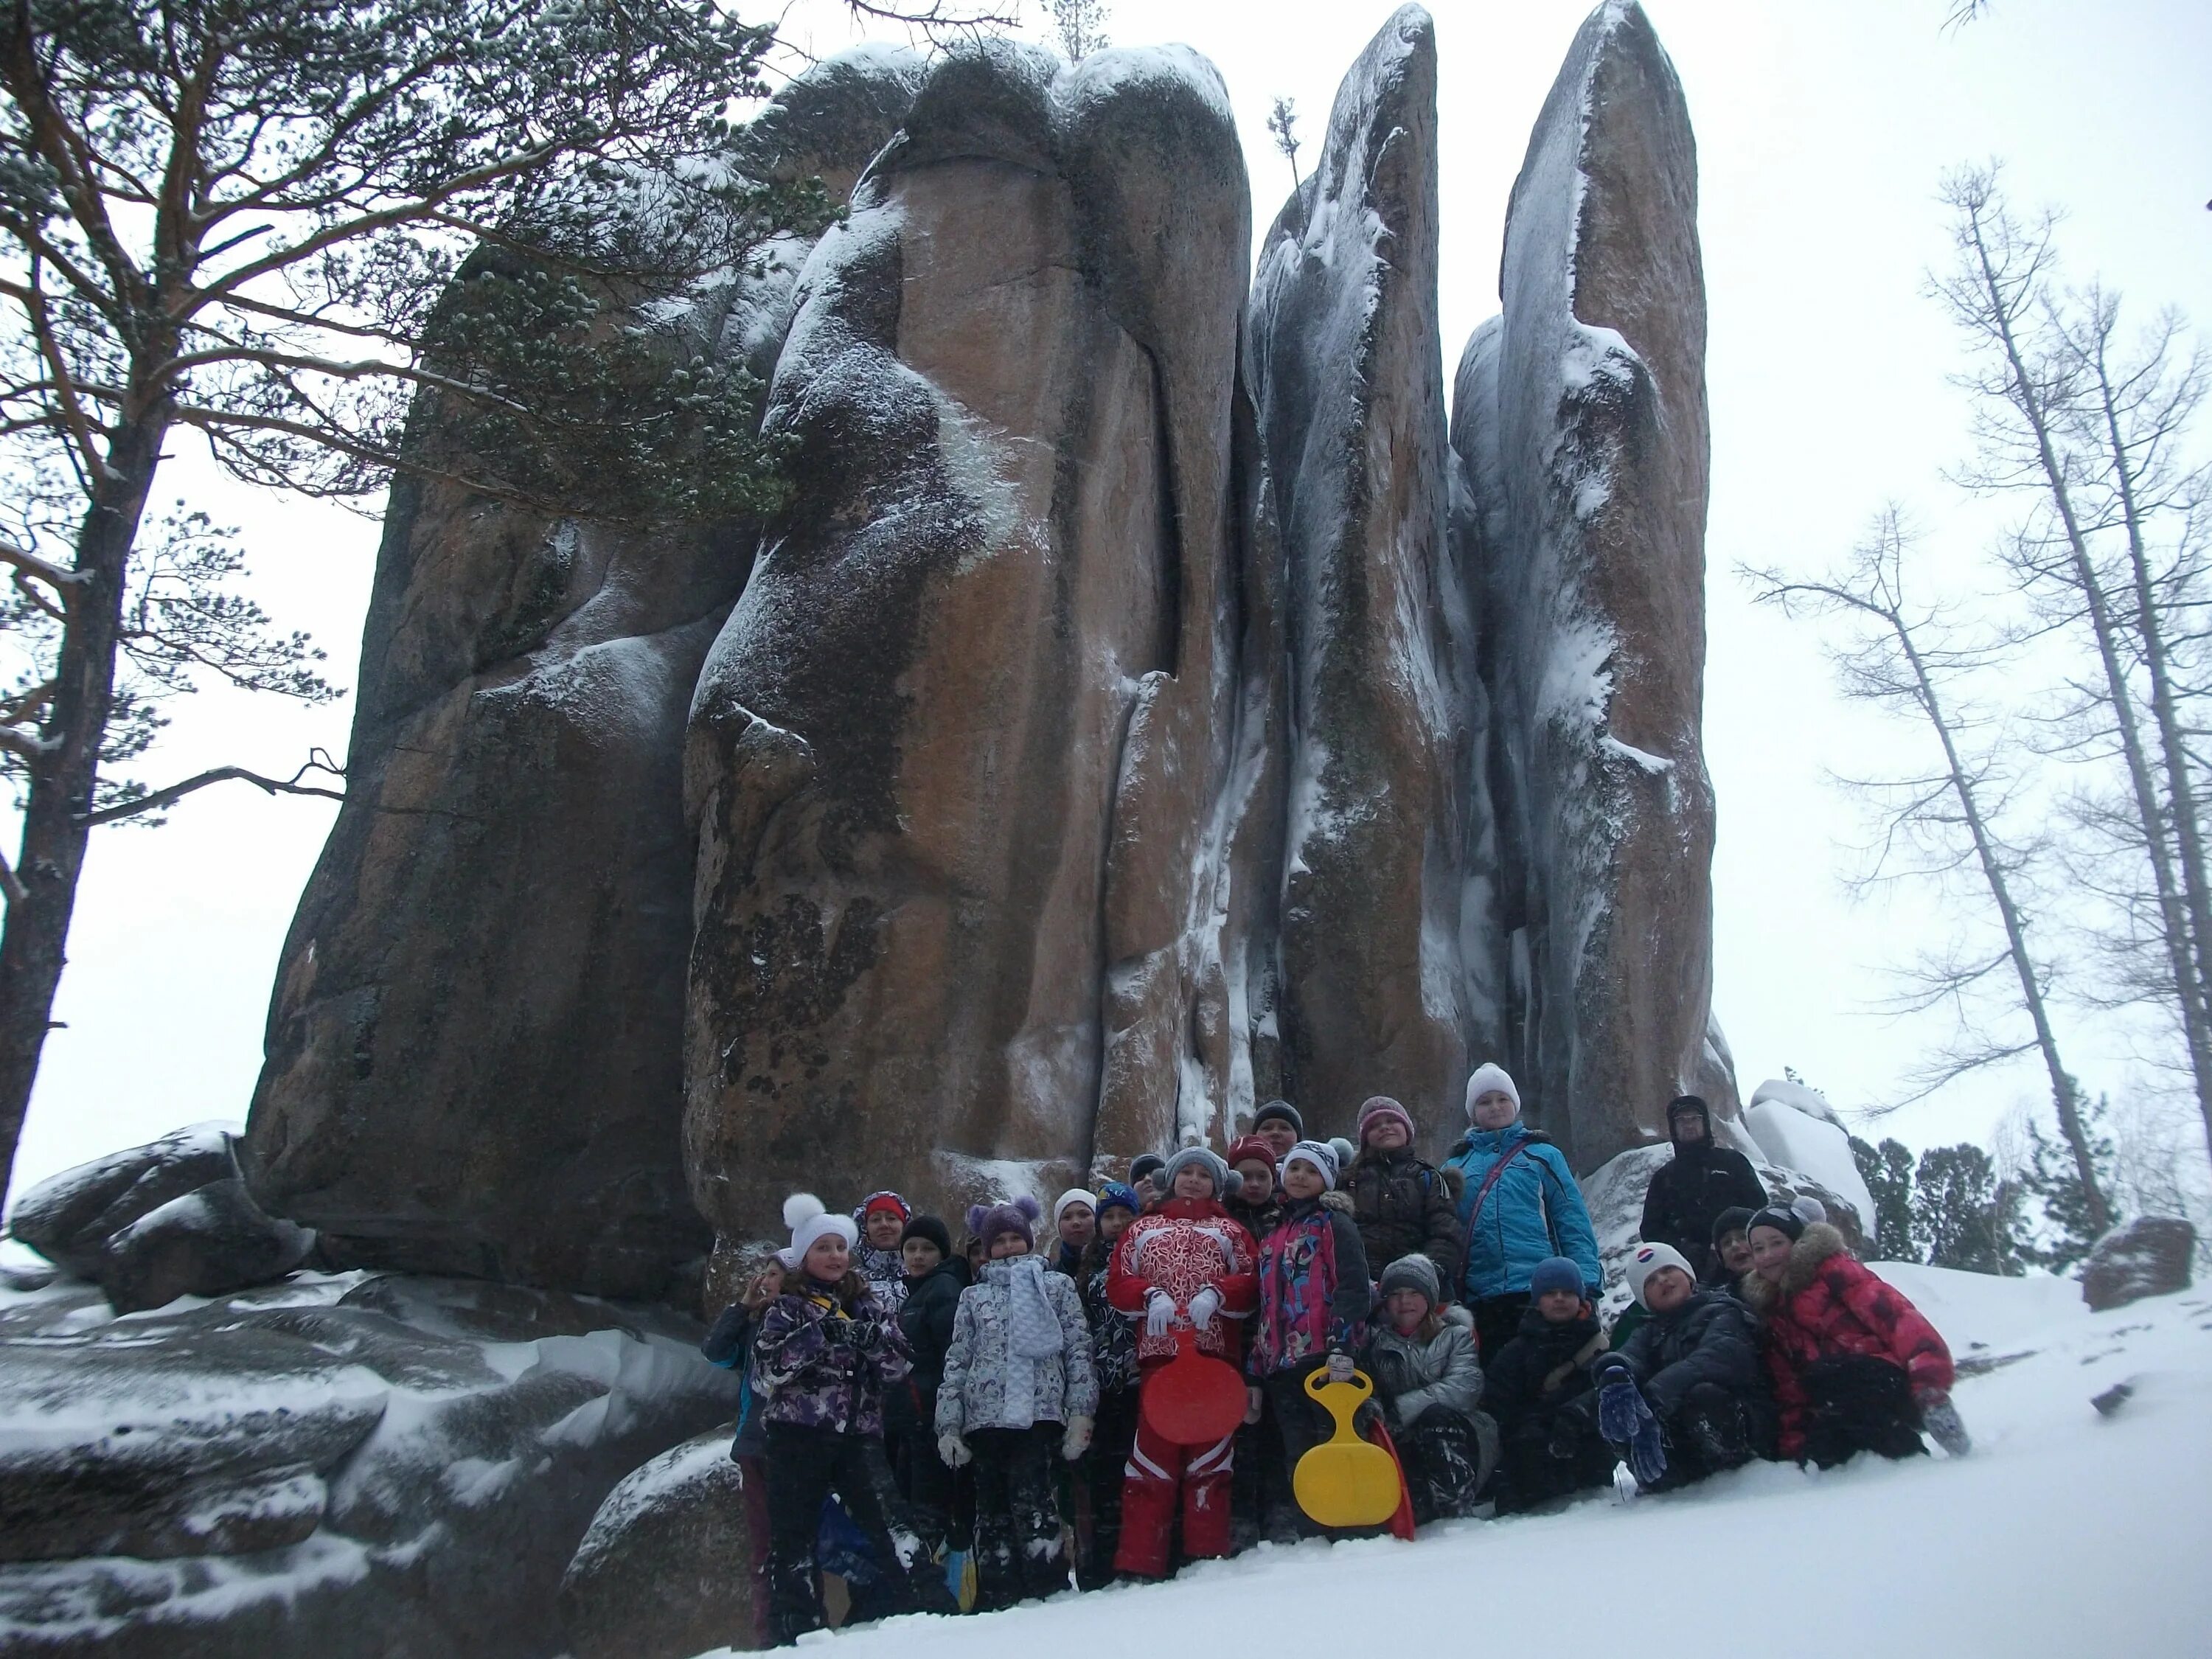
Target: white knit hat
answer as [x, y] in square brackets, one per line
[809, 1219]
[1646, 1259]
[1073, 1196]
[1487, 1076]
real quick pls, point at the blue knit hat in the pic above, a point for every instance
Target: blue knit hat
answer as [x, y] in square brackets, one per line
[1114, 1195]
[1555, 1273]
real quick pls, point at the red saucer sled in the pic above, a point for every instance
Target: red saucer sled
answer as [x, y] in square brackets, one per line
[1195, 1400]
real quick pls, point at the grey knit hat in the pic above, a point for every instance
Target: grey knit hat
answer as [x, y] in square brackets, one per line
[1226, 1181]
[1414, 1273]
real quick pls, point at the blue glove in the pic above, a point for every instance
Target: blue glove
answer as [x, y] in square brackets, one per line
[1626, 1421]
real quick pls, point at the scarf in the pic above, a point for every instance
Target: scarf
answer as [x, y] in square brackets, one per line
[1032, 1332]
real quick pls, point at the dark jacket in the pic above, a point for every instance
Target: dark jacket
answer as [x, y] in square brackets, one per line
[1710, 1338]
[1315, 1292]
[1689, 1191]
[926, 1320]
[1259, 1219]
[1543, 1368]
[1403, 1204]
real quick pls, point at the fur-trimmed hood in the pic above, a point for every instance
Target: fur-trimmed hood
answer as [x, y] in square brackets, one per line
[1818, 1243]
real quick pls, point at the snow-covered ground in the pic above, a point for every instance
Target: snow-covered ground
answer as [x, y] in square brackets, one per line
[2066, 1532]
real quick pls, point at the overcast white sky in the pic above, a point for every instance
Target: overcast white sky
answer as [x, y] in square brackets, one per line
[1823, 127]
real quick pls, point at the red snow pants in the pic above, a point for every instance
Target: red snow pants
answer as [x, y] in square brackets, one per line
[1156, 1471]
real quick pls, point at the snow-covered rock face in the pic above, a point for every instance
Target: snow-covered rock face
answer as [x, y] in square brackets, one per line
[666, 1567]
[475, 1047]
[1381, 994]
[348, 1466]
[1580, 435]
[954, 759]
[2150, 1256]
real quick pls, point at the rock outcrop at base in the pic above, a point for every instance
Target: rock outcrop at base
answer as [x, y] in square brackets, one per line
[953, 758]
[2150, 1256]
[1383, 989]
[350, 1467]
[475, 1049]
[1580, 427]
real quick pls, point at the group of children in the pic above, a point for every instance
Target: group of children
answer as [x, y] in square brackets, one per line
[905, 1402]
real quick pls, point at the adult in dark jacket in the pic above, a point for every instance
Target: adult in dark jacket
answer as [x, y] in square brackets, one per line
[1402, 1202]
[1691, 1190]
[1539, 1388]
[935, 1278]
[1695, 1364]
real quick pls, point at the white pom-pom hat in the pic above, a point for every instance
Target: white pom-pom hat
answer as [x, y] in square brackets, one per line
[809, 1219]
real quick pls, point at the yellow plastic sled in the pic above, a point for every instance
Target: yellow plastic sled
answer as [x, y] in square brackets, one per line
[1344, 1481]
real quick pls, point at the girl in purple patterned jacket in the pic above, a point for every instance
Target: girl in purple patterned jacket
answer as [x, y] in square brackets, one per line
[824, 1351]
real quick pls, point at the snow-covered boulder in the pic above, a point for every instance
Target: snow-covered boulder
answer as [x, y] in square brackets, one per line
[1817, 1147]
[347, 1467]
[665, 1570]
[151, 1224]
[475, 1046]
[1580, 429]
[1811, 1101]
[2150, 1256]
[953, 761]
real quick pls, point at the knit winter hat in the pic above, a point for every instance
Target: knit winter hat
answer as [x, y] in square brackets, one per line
[1556, 1272]
[1113, 1195]
[1226, 1180]
[1646, 1259]
[1319, 1154]
[1073, 1196]
[1379, 1107]
[1729, 1220]
[1145, 1164]
[1487, 1076]
[1783, 1220]
[1809, 1208]
[1249, 1150]
[883, 1200]
[987, 1221]
[1414, 1273]
[809, 1219]
[929, 1227]
[1283, 1109]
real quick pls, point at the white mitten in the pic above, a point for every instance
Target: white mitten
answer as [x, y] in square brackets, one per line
[953, 1449]
[1159, 1309]
[1204, 1306]
[1077, 1440]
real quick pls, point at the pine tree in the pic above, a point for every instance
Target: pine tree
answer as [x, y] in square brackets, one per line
[1960, 1216]
[1887, 1170]
[2067, 1231]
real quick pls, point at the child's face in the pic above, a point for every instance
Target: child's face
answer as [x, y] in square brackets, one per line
[1278, 1136]
[974, 1252]
[920, 1257]
[1769, 1252]
[1078, 1225]
[1193, 1181]
[1735, 1251]
[1302, 1179]
[1494, 1109]
[827, 1258]
[1258, 1181]
[1667, 1290]
[1559, 1306]
[768, 1283]
[1386, 1134]
[1408, 1308]
[883, 1228]
[1114, 1222]
[1006, 1245]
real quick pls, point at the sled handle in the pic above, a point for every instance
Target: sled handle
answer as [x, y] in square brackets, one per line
[1317, 1379]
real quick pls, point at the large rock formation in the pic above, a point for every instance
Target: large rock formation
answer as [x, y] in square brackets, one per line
[954, 757]
[1579, 423]
[475, 1046]
[1384, 960]
[349, 1467]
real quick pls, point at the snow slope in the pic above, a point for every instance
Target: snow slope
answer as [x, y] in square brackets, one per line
[2066, 1532]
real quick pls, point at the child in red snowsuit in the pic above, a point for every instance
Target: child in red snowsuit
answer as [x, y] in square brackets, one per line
[1187, 1265]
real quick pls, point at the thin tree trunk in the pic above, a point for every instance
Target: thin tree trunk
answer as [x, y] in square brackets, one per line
[2031, 989]
[33, 943]
[2187, 940]
[2030, 406]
